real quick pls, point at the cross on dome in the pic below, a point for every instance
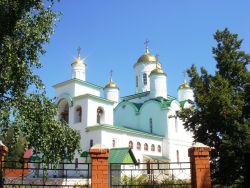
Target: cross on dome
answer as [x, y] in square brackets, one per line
[146, 45]
[111, 74]
[78, 51]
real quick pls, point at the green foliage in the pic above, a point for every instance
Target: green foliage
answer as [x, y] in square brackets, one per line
[15, 139]
[26, 26]
[144, 180]
[220, 118]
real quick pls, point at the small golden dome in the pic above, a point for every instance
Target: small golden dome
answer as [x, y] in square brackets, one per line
[111, 84]
[184, 85]
[157, 71]
[78, 61]
[147, 57]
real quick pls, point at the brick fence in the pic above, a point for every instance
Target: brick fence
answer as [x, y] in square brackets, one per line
[199, 159]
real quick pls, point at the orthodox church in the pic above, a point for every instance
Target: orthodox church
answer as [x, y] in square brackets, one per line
[145, 121]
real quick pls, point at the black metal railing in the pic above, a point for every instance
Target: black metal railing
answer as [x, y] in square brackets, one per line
[150, 175]
[38, 174]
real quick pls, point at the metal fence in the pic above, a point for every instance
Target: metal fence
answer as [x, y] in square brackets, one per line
[150, 175]
[37, 174]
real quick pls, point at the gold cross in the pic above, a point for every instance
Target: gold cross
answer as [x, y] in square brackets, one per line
[78, 51]
[146, 43]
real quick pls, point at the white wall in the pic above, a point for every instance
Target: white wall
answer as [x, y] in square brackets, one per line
[158, 86]
[122, 140]
[185, 94]
[69, 89]
[152, 109]
[93, 104]
[82, 89]
[125, 114]
[139, 70]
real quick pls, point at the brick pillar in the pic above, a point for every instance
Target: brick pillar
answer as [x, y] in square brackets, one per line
[200, 166]
[99, 156]
[3, 152]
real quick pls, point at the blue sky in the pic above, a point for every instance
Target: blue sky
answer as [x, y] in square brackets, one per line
[111, 34]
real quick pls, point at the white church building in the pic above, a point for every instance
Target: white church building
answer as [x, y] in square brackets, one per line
[145, 121]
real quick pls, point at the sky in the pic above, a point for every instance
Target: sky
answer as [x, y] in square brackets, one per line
[111, 34]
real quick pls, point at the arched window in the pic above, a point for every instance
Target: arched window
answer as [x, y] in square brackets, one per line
[138, 146]
[136, 81]
[130, 144]
[91, 142]
[100, 115]
[113, 143]
[159, 148]
[78, 114]
[64, 110]
[145, 79]
[152, 147]
[145, 147]
[177, 156]
[150, 125]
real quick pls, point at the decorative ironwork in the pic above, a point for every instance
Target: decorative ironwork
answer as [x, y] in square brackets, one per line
[150, 175]
[38, 174]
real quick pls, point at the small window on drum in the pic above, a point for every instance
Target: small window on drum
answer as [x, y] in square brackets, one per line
[145, 81]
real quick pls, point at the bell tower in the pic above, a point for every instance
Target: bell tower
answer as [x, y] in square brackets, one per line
[79, 67]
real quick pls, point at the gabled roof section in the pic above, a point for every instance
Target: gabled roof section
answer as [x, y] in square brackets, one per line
[121, 155]
[123, 129]
[164, 103]
[85, 83]
[94, 97]
[138, 95]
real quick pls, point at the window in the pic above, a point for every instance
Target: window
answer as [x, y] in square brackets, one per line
[136, 81]
[78, 114]
[130, 144]
[159, 148]
[91, 143]
[152, 147]
[150, 125]
[138, 146]
[177, 156]
[144, 78]
[145, 147]
[64, 110]
[113, 143]
[100, 115]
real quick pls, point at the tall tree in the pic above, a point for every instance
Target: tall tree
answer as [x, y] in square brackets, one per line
[220, 117]
[25, 26]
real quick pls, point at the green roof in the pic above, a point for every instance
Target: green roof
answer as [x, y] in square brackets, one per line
[123, 129]
[164, 103]
[138, 95]
[182, 103]
[80, 82]
[121, 155]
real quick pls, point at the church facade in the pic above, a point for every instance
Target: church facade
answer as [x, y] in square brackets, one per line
[145, 121]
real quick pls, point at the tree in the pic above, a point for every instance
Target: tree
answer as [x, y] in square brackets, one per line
[26, 25]
[220, 117]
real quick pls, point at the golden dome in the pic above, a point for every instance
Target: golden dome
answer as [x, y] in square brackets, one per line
[78, 61]
[147, 57]
[184, 85]
[111, 84]
[157, 71]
